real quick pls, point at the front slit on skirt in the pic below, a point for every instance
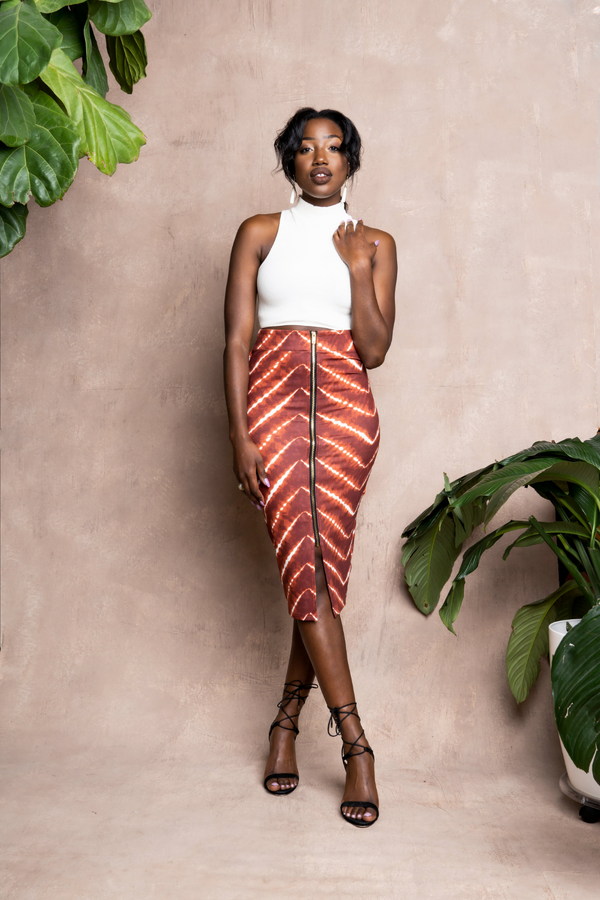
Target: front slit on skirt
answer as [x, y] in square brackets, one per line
[312, 415]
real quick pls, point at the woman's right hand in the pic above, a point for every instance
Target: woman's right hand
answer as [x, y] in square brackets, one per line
[250, 470]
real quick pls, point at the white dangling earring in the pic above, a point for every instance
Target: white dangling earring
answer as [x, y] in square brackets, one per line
[293, 195]
[344, 190]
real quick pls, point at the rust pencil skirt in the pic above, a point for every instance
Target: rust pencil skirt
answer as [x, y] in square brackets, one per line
[313, 417]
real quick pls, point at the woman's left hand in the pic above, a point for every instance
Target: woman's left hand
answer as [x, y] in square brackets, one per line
[351, 244]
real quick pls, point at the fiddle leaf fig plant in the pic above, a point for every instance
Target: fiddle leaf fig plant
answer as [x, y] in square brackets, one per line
[567, 474]
[53, 85]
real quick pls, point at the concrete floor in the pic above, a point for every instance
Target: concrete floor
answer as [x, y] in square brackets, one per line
[93, 826]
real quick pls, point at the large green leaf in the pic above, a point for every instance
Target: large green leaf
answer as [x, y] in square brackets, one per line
[27, 40]
[108, 135]
[584, 500]
[50, 6]
[573, 569]
[93, 71]
[576, 690]
[450, 608]
[17, 117]
[564, 504]
[505, 477]
[501, 484]
[582, 474]
[428, 560]
[45, 166]
[453, 602]
[127, 59]
[467, 519]
[529, 640]
[124, 17]
[69, 26]
[531, 536]
[571, 448]
[452, 489]
[12, 227]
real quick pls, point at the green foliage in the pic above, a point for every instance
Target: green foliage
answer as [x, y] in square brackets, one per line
[108, 136]
[93, 71]
[429, 564]
[50, 6]
[68, 23]
[529, 640]
[50, 115]
[115, 19]
[45, 166]
[12, 226]
[576, 690]
[127, 59]
[17, 117]
[568, 475]
[27, 40]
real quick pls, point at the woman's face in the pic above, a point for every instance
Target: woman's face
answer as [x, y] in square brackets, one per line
[320, 167]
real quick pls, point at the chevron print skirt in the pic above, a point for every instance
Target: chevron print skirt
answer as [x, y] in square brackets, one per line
[313, 417]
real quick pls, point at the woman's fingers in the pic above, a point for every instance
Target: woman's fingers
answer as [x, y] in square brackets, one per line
[251, 490]
[250, 471]
[254, 488]
[262, 474]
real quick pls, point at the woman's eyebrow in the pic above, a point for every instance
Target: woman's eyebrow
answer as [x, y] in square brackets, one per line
[328, 137]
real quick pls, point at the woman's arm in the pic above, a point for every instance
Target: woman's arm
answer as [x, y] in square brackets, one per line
[373, 269]
[252, 243]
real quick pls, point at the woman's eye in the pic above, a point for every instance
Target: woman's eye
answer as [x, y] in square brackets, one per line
[334, 148]
[304, 149]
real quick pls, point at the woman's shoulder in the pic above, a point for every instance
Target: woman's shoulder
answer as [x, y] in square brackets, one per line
[377, 234]
[257, 234]
[260, 225]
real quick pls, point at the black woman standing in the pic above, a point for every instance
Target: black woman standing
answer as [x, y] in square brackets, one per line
[303, 423]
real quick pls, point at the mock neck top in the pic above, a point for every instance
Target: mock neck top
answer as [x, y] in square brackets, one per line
[303, 281]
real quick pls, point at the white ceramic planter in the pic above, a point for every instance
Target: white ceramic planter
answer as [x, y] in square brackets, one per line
[584, 782]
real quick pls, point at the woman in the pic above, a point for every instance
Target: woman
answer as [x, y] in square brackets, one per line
[303, 424]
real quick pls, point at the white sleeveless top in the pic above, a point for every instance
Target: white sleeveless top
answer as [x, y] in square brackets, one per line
[303, 280]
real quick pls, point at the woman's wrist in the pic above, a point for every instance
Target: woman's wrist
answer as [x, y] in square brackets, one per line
[238, 435]
[360, 268]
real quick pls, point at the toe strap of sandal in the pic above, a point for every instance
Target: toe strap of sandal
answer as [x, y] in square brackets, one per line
[361, 804]
[275, 776]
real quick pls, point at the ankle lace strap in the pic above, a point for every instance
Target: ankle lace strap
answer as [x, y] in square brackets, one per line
[292, 690]
[339, 714]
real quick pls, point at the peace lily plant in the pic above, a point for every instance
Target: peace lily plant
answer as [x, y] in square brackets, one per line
[51, 112]
[568, 475]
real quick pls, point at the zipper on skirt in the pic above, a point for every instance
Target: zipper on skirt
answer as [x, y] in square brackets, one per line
[313, 433]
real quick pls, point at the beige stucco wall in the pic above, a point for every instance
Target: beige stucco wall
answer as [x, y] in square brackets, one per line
[143, 617]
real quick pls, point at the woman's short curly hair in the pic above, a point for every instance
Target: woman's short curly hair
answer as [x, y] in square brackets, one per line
[289, 139]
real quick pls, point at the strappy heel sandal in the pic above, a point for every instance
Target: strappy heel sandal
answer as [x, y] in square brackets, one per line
[338, 715]
[292, 690]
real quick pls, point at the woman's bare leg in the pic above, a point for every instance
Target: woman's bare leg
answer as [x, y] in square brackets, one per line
[282, 756]
[326, 648]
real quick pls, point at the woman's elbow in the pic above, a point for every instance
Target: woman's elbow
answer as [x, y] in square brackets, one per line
[373, 361]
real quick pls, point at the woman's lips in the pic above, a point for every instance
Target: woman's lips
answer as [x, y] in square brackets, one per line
[321, 176]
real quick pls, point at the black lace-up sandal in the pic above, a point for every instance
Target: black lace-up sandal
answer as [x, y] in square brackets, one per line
[338, 715]
[292, 690]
